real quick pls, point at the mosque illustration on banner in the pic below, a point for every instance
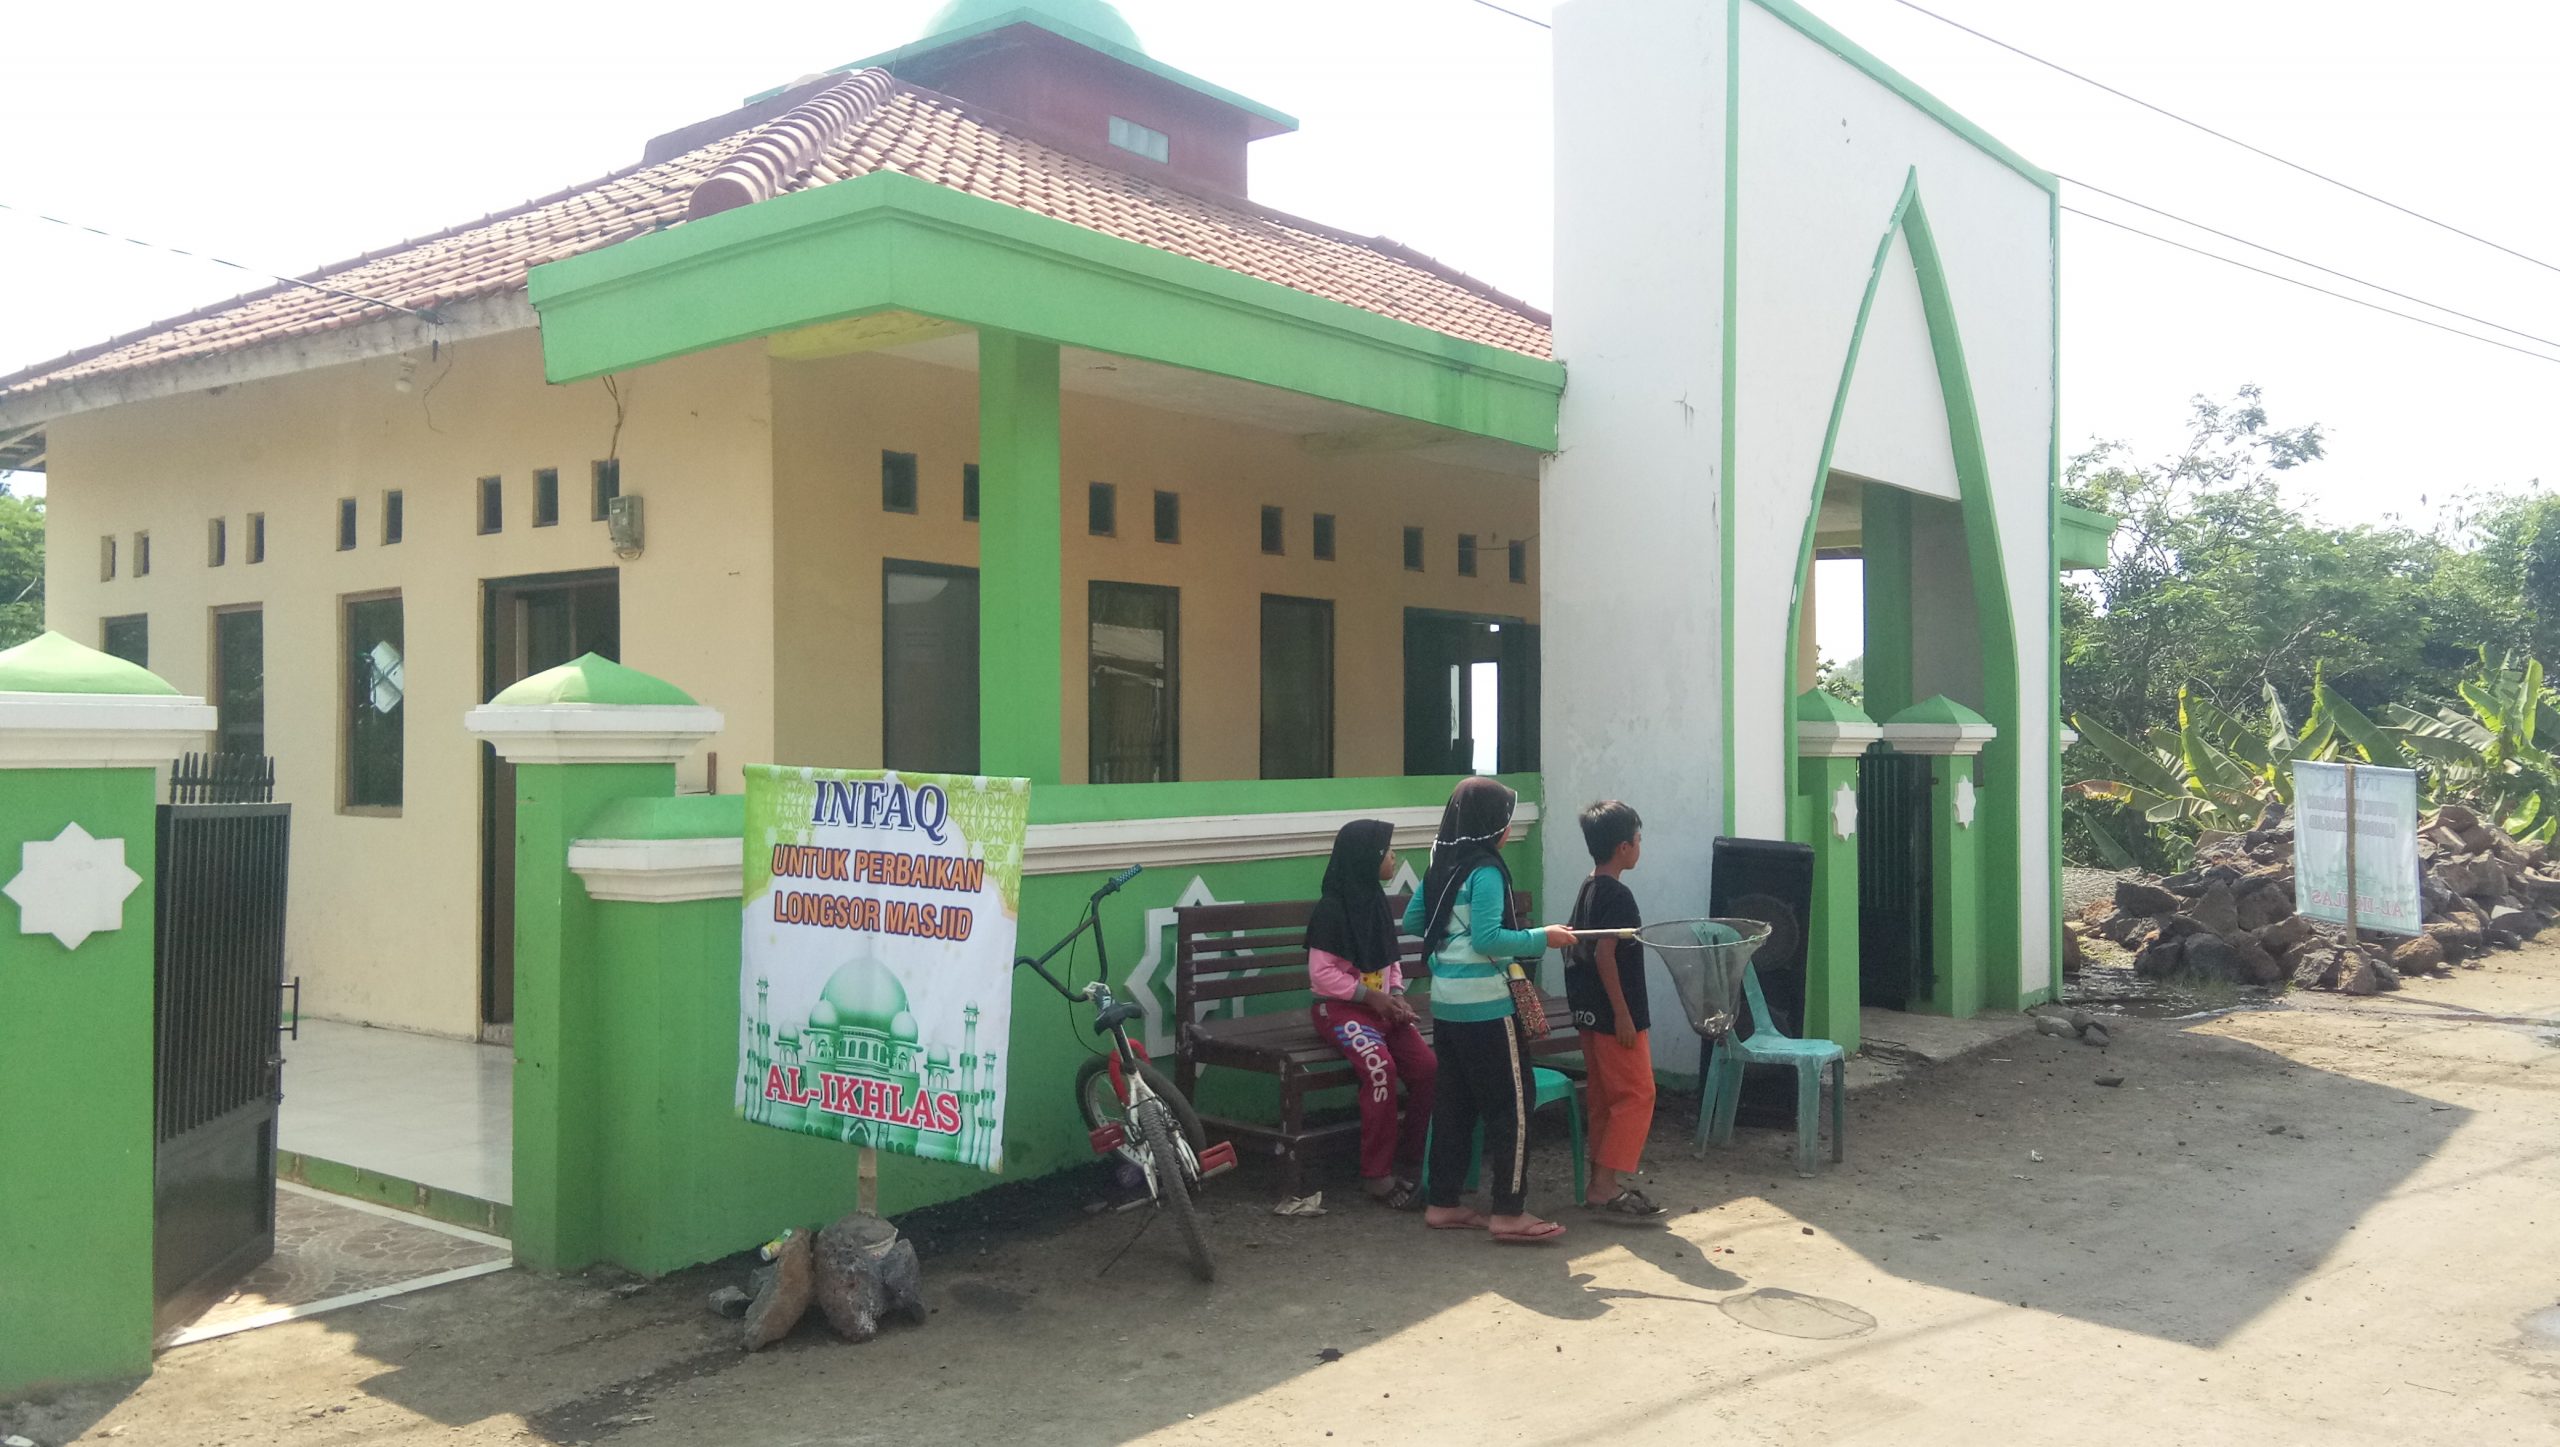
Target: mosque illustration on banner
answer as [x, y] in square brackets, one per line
[861, 1026]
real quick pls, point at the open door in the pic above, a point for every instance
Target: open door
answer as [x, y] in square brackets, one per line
[1470, 693]
[527, 625]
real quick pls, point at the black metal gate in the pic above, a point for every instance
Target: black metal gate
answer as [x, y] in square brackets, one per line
[217, 1069]
[1896, 964]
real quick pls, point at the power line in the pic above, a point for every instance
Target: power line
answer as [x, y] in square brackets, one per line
[2315, 266]
[2308, 286]
[2226, 137]
[424, 316]
[1516, 15]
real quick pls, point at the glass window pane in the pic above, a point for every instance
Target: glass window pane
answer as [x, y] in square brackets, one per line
[1133, 691]
[929, 668]
[897, 482]
[374, 741]
[240, 681]
[1297, 688]
[128, 638]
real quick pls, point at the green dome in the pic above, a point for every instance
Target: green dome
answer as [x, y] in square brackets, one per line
[51, 663]
[865, 996]
[1094, 17]
[589, 678]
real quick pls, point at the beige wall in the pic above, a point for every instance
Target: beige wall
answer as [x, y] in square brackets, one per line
[384, 916]
[833, 418]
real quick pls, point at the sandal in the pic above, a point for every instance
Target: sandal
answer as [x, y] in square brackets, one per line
[1629, 1204]
[1538, 1235]
[1400, 1195]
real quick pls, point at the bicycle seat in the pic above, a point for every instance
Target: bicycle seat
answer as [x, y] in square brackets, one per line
[1114, 1013]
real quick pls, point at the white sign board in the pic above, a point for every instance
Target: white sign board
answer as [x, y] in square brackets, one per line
[875, 987]
[2384, 806]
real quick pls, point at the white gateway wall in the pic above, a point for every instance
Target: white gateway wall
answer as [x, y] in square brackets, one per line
[1825, 149]
[1629, 559]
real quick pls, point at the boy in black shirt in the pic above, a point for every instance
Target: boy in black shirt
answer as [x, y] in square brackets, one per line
[1604, 983]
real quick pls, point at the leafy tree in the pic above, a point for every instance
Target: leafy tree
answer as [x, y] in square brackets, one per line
[21, 568]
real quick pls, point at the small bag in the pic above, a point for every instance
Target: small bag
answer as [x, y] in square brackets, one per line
[1528, 1007]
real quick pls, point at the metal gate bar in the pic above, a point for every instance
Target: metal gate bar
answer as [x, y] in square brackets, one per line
[1896, 964]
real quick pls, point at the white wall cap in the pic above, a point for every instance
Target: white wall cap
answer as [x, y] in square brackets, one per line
[593, 733]
[99, 730]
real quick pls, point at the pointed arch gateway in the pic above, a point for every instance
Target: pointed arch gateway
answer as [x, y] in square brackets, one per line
[1908, 243]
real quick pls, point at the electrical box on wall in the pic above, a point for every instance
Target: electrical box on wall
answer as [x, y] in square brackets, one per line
[622, 519]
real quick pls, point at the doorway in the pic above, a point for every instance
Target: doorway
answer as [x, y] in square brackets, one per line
[1470, 693]
[526, 625]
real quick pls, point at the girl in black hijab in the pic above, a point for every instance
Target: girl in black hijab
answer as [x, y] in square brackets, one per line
[1355, 967]
[1465, 916]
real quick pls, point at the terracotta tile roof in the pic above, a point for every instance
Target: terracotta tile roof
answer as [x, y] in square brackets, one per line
[919, 133]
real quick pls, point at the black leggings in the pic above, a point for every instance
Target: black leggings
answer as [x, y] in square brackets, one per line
[1484, 1079]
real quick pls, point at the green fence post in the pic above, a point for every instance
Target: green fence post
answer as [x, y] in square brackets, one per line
[1952, 736]
[79, 735]
[1831, 735]
[581, 736]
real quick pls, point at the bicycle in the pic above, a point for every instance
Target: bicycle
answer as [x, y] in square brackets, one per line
[1130, 1108]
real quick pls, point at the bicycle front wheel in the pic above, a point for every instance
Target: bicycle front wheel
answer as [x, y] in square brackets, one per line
[1173, 1185]
[1101, 1105]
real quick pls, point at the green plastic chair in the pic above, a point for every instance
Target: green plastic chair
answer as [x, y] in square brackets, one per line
[1768, 1047]
[1551, 1086]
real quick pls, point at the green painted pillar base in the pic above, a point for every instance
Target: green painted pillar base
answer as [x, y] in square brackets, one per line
[582, 736]
[1952, 736]
[1021, 572]
[1831, 735]
[79, 732]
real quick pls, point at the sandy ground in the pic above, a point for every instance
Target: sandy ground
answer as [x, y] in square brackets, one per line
[2331, 1223]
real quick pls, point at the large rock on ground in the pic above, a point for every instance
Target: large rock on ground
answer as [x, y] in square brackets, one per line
[2475, 878]
[2073, 956]
[2455, 938]
[2264, 905]
[2216, 909]
[2133, 897]
[2257, 967]
[2358, 974]
[2418, 955]
[2284, 934]
[782, 1296]
[865, 1272]
[2209, 957]
[2522, 923]
[2315, 967]
[2161, 958]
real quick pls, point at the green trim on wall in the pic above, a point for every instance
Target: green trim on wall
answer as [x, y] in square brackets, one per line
[1726, 491]
[1813, 28]
[436, 1203]
[2053, 638]
[1998, 770]
[1021, 567]
[2080, 536]
[891, 242]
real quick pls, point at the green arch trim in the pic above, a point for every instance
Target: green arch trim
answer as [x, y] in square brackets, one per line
[1998, 767]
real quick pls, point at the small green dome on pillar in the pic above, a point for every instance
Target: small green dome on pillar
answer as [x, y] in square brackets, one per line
[591, 679]
[51, 663]
[1095, 17]
[1815, 706]
[1940, 710]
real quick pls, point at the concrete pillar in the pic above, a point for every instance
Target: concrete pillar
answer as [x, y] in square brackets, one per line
[582, 736]
[79, 735]
[1952, 736]
[1021, 574]
[1831, 736]
[1885, 545]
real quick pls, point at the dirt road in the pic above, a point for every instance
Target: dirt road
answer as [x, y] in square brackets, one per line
[2332, 1223]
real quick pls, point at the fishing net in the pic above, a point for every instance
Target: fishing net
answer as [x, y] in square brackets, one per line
[1705, 959]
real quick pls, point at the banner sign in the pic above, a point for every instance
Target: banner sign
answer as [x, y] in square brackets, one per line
[2385, 806]
[875, 986]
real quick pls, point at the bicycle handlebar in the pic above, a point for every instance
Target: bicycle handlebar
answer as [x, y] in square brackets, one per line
[1112, 885]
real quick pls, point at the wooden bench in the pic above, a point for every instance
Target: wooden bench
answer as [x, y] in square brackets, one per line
[1241, 951]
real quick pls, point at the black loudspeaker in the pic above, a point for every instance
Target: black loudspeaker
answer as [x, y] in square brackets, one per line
[1769, 880]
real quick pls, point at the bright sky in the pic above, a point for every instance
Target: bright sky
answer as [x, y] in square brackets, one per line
[288, 134]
